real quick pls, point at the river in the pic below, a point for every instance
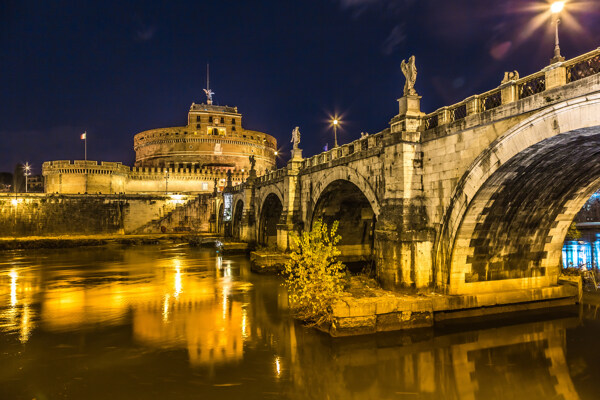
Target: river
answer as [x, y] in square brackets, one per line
[174, 322]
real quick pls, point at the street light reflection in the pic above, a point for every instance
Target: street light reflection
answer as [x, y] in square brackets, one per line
[278, 367]
[13, 287]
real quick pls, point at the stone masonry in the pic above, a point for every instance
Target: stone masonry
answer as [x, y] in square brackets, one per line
[472, 198]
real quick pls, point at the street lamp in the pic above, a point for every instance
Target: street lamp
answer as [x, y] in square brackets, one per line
[556, 8]
[26, 169]
[335, 125]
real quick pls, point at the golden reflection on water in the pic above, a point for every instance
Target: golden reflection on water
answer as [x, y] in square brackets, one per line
[202, 306]
[18, 317]
[169, 308]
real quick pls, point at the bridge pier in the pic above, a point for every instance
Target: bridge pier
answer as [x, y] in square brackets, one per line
[403, 240]
[403, 250]
[291, 220]
[248, 222]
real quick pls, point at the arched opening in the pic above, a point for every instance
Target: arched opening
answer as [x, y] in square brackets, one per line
[269, 218]
[343, 201]
[514, 228]
[237, 219]
[220, 219]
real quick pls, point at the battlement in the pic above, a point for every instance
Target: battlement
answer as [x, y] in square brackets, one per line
[65, 176]
[213, 108]
[84, 167]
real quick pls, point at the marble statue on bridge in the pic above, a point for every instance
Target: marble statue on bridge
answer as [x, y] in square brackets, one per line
[409, 69]
[295, 137]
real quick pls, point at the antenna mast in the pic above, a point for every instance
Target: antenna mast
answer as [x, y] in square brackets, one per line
[208, 92]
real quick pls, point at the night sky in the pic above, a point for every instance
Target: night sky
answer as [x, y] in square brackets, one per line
[115, 68]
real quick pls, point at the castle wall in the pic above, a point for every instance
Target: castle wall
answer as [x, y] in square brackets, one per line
[50, 214]
[193, 216]
[80, 177]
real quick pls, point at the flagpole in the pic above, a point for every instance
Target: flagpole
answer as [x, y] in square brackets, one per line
[85, 145]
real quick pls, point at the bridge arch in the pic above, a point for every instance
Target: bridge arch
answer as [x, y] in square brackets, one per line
[220, 216]
[510, 211]
[344, 173]
[238, 212]
[269, 215]
[342, 200]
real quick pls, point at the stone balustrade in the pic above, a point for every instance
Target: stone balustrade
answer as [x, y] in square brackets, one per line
[553, 76]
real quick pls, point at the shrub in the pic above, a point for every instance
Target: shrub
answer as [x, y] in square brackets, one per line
[314, 276]
[573, 233]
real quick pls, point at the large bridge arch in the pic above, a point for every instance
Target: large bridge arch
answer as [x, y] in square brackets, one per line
[510, 211]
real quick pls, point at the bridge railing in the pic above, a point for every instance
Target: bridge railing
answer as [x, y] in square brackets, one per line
[365, 143]
[550, 77]
[583, 66]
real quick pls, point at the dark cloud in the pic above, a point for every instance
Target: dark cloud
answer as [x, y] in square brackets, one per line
[396, 37]
[145, 34]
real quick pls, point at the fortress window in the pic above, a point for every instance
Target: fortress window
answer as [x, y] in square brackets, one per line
[210, 119]
[215, 131]
[197, 118]
[233, 121]
[222, 120]
[197, 125]
[233, 128]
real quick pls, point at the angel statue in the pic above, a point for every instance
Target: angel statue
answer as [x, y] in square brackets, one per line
[252, 162]
[409, 70]
[209, 93]
[296, 137]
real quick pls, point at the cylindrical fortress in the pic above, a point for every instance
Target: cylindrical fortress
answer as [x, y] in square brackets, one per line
[213, 139]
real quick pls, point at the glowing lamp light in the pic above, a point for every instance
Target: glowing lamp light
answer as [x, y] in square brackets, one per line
[557, 7]
[276, 152]
[14, 202]
[335, 121]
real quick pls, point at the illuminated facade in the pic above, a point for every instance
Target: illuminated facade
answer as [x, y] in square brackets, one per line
[212, 139]
[188, 159]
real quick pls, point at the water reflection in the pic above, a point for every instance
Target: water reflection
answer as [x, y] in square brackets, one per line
[179, 323]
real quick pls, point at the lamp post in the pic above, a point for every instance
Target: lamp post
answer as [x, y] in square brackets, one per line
[556, 8]
[335, 124]
[26, 169]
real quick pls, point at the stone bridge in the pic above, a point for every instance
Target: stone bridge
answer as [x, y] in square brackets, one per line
[472, 198]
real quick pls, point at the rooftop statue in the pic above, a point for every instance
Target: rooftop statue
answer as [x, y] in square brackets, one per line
[409, 69]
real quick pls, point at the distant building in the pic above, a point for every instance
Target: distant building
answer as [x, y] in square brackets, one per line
[35, 184]
[187, 159]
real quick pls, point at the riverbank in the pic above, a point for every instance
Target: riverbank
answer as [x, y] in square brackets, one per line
[70, 241]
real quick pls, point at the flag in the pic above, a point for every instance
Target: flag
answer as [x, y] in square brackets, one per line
[326, 147]
[83, 135]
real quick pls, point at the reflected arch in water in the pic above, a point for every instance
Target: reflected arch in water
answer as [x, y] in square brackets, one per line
[525, 361]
